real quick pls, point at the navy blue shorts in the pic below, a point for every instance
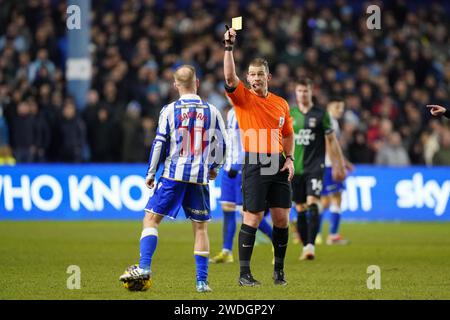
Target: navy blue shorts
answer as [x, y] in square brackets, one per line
[331, 186]
[307, 184]
[171, 195]
[231, 189]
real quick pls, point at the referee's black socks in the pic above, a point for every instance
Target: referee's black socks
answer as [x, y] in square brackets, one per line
[280, 238]
[302, 226]
[313, 225]
[246, 243]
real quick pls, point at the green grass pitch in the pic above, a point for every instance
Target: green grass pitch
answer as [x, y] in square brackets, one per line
[414, 259]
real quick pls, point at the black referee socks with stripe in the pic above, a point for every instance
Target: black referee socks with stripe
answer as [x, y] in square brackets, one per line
[280, 237]
[247, 236]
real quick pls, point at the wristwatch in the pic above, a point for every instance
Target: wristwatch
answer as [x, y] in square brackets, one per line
[290, 156]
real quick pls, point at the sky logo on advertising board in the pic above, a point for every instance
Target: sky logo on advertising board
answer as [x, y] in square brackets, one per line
[118, 193]
[414, 193]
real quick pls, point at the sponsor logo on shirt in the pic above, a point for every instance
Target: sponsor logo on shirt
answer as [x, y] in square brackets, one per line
[304, 137]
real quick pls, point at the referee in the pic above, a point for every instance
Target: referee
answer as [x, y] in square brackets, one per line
[266, 134]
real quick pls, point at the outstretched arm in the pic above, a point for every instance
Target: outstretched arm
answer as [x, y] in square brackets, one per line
[437, 110]
[229, 69]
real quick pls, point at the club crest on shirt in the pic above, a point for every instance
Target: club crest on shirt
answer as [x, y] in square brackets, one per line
[312, 122]
[281, 123]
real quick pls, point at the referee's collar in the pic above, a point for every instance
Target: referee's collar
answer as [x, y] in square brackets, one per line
[190, 96]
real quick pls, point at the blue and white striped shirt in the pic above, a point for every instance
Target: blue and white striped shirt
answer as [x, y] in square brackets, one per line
[235, 154]
[190, 139]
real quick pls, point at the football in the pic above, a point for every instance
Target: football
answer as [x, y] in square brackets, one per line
[136, 284]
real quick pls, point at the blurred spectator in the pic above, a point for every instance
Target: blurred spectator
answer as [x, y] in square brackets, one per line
[133, 135]
[24, 64]
[442, 156]
[4, 134]
[431, 143]
[416, 149]
[392, 152]
[51, 107]
[102, 146]
[385, 108]
[41, 133]
[23, 133]
[42, 67]
[111, 101]
[90, 116]
[358, 150]
[6, 156]
[72, 132]
[149, 131]
[5, 150]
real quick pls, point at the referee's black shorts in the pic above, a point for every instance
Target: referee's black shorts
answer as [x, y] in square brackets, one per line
[261, 190]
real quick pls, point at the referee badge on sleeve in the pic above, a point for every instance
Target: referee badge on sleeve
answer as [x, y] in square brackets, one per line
[281, 123]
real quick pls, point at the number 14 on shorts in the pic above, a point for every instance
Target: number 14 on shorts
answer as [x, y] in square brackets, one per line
[316, 185]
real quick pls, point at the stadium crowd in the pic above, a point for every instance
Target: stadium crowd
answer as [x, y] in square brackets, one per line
[386, 76]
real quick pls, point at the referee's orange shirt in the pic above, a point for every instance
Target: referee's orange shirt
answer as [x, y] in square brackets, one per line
[263, 121]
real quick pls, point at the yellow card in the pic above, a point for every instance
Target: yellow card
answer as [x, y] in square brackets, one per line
[236, 23]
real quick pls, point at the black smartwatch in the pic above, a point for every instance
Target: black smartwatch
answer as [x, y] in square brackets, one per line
[290, 156]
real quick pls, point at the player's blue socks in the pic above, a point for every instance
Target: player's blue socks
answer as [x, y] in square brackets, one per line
[335, 219]
[149, 240]
[201, 264]
[320, 222]
[229, 229]
[265, 228]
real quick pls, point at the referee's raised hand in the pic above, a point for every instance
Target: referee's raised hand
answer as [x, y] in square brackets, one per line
[230, 36]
